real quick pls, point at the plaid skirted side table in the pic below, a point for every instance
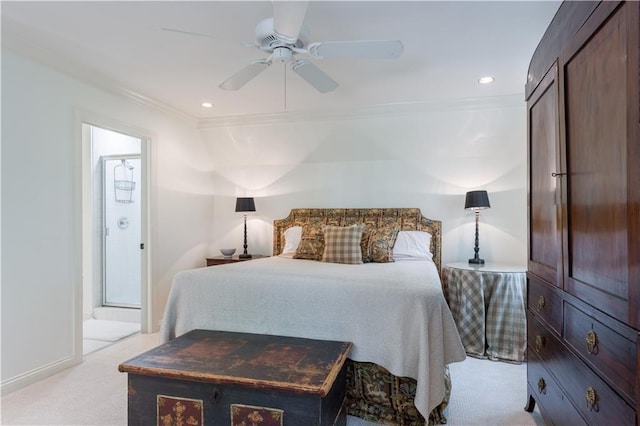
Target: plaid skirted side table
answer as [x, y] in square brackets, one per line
[488, 303]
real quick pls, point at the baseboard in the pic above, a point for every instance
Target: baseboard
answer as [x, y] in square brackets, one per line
[30, 377]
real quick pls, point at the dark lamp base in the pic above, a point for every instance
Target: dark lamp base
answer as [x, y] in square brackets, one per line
[476, 261]
[248, 256]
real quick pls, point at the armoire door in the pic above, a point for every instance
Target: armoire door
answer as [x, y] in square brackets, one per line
[545, 248]
[595, 74]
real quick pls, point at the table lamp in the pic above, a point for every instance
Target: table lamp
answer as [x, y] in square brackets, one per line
[243, 205]
[476, 201]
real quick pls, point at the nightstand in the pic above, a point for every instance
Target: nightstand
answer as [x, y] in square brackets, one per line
[488, 303]
[221, 260]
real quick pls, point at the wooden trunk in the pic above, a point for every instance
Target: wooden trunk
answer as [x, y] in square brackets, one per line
[209, 377]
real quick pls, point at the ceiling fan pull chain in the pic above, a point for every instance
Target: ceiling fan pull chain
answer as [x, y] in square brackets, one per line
[284, 66]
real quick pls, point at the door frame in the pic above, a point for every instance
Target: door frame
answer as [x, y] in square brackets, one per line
[84, 121]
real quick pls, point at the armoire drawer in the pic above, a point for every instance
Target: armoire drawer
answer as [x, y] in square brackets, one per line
[593, 398]
[610, 353]
[553, 404]
[541, 341]
[545, 302]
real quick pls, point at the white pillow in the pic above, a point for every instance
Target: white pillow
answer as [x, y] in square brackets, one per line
[292, 238]
[412, 245]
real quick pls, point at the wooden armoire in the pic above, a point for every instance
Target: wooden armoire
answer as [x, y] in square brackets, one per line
[583, 305]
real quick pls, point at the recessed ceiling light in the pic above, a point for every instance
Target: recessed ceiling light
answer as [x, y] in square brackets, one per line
[486, 80]
[207, 105]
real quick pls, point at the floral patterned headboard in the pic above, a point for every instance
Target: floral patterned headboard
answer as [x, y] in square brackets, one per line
[407, 219]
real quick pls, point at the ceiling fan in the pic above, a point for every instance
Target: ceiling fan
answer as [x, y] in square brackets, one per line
[284, 36]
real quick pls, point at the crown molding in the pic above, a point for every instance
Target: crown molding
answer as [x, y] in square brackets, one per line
[16, 37]
[387, 110]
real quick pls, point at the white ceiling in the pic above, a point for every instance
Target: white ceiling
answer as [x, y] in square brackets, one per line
[120, 45]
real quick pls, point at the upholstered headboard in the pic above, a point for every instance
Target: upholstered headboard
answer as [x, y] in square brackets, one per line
[406, 219]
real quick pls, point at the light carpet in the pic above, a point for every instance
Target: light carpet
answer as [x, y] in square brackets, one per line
[94, 392]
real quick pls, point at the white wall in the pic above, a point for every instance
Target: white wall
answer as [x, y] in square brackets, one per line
[423, 155]
[41, 209]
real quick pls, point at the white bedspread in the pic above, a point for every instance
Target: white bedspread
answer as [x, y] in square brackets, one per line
[395, 314]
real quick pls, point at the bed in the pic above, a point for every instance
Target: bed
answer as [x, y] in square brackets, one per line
[394, 312]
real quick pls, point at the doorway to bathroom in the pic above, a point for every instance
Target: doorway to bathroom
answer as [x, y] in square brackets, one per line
[115, 270]
[121, 233]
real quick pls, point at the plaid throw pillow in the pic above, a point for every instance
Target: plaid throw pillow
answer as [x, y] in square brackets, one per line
[342, 244]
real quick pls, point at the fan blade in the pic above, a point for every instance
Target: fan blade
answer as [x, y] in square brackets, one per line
[187, 32]
[191, 33]
[245, 75]
[314, 76]
[366, 49]
[287, 19]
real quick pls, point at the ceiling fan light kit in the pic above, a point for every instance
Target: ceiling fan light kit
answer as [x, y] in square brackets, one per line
[285, 36]
[282, 54]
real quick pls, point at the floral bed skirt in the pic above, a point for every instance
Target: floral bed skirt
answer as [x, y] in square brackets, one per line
[376, 395]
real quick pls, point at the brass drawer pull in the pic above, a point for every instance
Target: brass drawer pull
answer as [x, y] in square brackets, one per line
[539, 343]
[592, 399]
[542, 386]
[592, 342]
[540, 302]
